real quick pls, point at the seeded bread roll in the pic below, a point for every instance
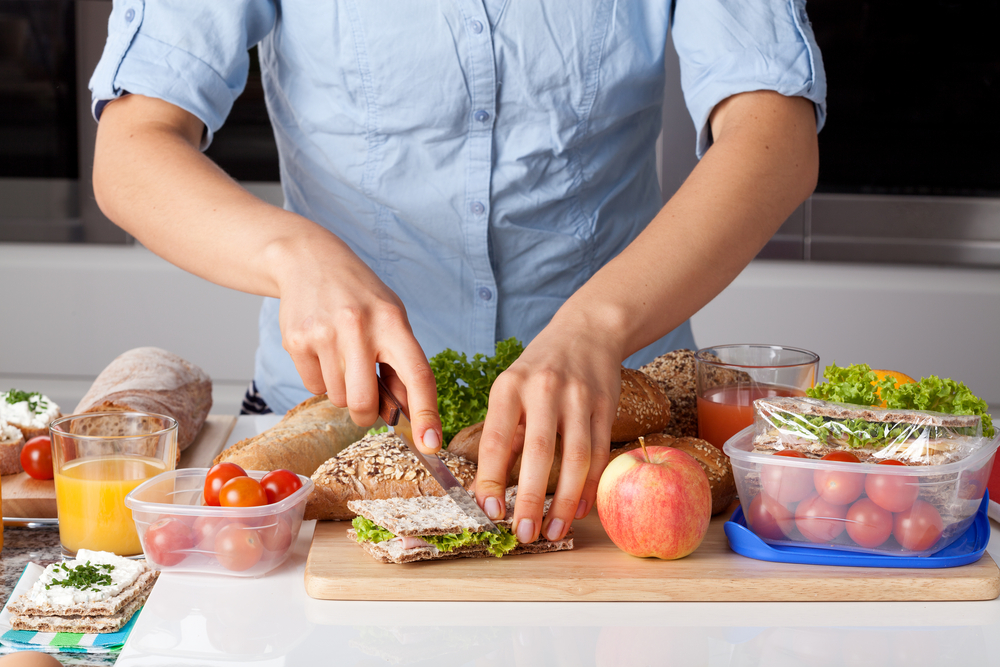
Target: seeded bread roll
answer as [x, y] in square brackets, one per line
[148, 379]
[711, 459]
[11, 442]
[642, 407]
[309, 434]
[376, 467]
[675, 373]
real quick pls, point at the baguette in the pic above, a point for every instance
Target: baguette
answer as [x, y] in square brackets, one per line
[148, 379]
[378, 466]
[11, 442]
[312, 432]
[716, 465]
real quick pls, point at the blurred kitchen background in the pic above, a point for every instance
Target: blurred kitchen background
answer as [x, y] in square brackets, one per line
[895, 261]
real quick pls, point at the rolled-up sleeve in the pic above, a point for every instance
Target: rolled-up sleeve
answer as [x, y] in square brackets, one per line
[191, 53]
[727, 47]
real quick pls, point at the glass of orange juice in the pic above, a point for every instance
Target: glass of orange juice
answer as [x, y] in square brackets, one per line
[729, 378]
[98, 458]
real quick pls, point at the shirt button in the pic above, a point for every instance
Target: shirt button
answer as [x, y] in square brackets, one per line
[482, 116]
[477, 27]
[129, 15]
[478, 208]
[485, 293]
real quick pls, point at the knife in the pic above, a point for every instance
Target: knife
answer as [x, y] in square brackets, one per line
[392, 414]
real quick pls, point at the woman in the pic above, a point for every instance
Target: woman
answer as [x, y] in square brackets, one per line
[456, 173]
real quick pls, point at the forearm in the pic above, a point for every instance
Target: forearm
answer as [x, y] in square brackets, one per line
[763, 163]
[151, 180]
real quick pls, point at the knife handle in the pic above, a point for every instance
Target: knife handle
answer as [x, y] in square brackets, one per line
[389, 408]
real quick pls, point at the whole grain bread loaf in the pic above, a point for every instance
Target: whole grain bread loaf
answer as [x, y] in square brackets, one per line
[377, 466]
[642, 407]
[676, 374]
[148, 379]
[716, 465]
[312, 432]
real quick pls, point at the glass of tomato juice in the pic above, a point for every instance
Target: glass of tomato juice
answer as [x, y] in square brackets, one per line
[729, 378]
[97, 459]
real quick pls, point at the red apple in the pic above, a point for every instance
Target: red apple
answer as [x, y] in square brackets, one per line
[655, 501]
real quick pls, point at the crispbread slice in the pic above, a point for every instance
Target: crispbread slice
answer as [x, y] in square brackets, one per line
[393, 552]
[112, 606]
[85, 624]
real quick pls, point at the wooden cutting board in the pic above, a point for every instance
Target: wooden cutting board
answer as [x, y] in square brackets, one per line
[24, 497]
[596, 570]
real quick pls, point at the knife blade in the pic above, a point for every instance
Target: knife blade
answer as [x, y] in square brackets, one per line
[391, 412]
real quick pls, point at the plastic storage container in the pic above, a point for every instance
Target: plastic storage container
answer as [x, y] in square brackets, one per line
[237, 541]
[890, 510]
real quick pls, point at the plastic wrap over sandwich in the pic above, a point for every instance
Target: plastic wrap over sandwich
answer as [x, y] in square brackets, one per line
[816, 427]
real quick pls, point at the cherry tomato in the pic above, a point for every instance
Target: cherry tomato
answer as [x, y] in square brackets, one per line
[36, 457]
[868, 524]
[276, 537]
[242, 492]
[818, 520]
[167, 541]
[786, 484]
[205, 529]
[217, 476]
[238, 547]
[918, 528]
[279, 484]
[895, 493]
[769, 519]
[838, 487]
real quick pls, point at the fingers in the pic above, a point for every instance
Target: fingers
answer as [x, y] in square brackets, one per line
[496, 447]
[573, 474]
[536, 460]
[418, 397]
[600, 451]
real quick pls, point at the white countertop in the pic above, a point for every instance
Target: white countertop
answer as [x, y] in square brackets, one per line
[209, 620]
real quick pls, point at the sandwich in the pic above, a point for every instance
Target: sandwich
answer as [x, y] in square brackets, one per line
[404, 530]
[97, 592]
[816, 427]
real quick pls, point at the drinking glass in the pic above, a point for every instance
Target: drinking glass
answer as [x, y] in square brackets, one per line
[97, 459]
[729, 378]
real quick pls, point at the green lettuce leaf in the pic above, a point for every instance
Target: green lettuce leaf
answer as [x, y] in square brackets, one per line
[852, 384]
[463, 386]
[498, 545]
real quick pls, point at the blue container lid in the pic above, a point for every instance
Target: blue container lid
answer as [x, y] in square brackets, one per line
[966, 549]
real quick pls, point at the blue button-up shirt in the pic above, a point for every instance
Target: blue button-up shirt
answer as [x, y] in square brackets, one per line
[484, 157]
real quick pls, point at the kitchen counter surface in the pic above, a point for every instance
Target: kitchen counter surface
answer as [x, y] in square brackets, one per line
[202, 620]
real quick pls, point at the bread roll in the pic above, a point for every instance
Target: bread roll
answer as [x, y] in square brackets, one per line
[676, 375]
[148, 379]
[711, 459]
[376, 467]
[11, 442]
[312, 432]
[642, 407]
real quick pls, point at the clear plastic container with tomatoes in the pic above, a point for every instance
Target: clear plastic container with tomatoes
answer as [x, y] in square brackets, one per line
[797, 499]
[180, 532]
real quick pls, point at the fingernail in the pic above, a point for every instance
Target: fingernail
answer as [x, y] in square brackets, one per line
[492, 509]
[525, 531]
[555, 531]
[581, 509]
[431, 439]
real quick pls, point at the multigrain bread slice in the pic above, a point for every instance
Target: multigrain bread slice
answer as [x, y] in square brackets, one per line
[716, 465]
[676, 374]
[309, 434]
[81, 623]
[378, 466]
[426, 516]
[642, 407]
[11, 442]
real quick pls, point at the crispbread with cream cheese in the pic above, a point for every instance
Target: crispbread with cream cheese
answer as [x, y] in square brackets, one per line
[82, 623]
[110, 607]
